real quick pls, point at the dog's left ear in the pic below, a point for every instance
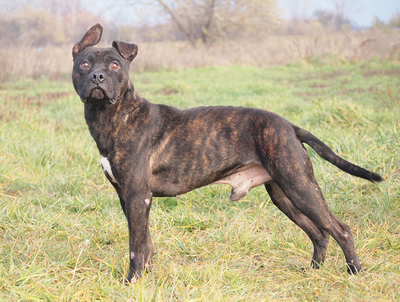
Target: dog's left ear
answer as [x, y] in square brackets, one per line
[91, 38]
[126, 50]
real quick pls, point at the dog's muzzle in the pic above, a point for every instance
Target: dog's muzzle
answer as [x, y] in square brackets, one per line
[98, 94]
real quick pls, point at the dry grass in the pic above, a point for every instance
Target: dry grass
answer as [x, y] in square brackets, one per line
[272, 50]
[319, 48]
[25, 61]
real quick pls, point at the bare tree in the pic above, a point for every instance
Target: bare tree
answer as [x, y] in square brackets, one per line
[208, 20]
[343, 12]
[395, 20]
[324, 17]
[340, 16]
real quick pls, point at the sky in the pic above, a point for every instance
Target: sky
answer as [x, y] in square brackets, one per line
[361, 12]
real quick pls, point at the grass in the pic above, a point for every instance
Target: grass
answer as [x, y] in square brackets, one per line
[63, 236]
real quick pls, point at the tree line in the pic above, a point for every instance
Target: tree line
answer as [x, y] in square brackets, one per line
[56, 22]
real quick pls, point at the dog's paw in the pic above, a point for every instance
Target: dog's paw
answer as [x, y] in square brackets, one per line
[352, 269]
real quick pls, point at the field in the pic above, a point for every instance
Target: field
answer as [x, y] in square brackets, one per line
[63, 236]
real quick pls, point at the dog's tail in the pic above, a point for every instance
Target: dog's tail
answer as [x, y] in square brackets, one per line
[326, 153]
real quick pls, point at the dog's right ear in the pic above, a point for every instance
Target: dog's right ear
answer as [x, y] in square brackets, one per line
[91, 38]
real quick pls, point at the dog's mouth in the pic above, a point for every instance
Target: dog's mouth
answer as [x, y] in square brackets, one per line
[98, 94]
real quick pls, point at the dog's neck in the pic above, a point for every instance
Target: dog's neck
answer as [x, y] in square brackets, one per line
[104, 117]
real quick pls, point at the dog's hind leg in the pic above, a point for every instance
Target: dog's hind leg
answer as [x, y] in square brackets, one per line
[310, 202]
[289, 165]
[301, 188]
[319, 238]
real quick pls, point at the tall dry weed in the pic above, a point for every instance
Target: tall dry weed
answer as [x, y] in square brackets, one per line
[318, 48]
[27, 61]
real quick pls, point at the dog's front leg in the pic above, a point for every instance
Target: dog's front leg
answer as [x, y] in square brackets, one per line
[141, 249]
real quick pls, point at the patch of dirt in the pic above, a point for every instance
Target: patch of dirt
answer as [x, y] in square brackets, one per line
[336, 73]
[169, 91]
[351, 90]
[323, 76]
[40, 99]
[11, 192]
[318, 86]
[307, 96]
[56, 95]
[9, 115]
[390, 72]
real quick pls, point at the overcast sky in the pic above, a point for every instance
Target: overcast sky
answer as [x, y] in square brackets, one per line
[361, 12]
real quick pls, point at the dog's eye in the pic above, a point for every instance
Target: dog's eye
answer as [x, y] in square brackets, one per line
[114, 65]
[84, 65]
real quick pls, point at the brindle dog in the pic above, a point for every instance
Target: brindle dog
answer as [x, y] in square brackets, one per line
[156, 150]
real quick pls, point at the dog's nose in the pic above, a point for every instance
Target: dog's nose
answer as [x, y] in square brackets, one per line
[98, 76]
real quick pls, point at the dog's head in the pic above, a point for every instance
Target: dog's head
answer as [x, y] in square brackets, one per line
[101, 74]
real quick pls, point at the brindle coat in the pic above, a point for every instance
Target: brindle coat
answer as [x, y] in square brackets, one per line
[156, 150]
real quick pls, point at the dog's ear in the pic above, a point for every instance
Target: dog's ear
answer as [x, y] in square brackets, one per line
[91, 38]
[126, 50]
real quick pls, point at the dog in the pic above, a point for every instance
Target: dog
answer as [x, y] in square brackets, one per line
[152, 150]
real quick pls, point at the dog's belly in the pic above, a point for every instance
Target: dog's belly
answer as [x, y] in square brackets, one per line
[241, 180]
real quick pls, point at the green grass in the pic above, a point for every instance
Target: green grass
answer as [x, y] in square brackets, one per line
[63, 236]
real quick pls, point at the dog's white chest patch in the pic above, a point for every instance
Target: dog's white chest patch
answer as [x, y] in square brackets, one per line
[105, 164]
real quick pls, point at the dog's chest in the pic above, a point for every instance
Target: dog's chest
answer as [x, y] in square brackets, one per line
[105, 164]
